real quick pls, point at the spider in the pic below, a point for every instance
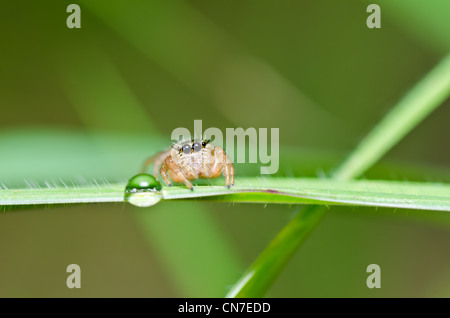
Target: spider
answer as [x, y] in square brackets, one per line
[187, 161]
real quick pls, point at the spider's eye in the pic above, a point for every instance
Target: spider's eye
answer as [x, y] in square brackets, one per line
[187, 148]
[196, 146]
[204, 143]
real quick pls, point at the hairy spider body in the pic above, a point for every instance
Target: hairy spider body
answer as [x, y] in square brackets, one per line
[187, 161]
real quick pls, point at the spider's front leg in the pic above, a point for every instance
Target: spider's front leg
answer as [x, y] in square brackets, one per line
[223, 163]
[158, 159]
[175, 172]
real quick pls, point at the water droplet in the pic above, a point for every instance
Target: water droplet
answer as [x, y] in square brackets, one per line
[143, 190]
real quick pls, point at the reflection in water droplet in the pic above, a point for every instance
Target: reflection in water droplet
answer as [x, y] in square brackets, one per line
[143, 190]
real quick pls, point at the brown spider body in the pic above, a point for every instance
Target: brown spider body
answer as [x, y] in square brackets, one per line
[187, 161]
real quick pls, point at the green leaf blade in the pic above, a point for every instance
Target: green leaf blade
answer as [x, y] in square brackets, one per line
[376, 193]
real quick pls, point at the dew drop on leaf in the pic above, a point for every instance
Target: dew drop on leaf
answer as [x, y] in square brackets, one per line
[143, 190]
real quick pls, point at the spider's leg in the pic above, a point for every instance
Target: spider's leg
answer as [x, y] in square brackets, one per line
[158, 159]
[213, 165]
[176, 173]
[164, 175]
[226, 164]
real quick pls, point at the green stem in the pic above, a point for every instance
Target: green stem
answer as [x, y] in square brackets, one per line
[425, 97]
[265, 269]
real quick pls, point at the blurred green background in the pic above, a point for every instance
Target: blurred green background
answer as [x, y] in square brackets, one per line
[95, 102]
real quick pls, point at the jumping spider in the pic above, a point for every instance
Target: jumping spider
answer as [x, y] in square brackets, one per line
[187, 161]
